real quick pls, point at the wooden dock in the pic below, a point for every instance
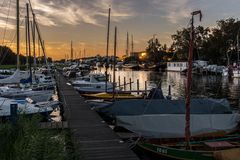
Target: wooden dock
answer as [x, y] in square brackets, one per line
[96, 140]
[53, 125]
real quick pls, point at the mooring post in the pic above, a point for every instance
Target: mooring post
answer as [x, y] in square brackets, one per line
[110, 78]
[145, 87]
[13, 112]
[124, 83]
[138, 86]
[130, 83]
[119, 81]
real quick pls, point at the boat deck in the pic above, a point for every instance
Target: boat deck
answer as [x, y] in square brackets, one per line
[95, 139]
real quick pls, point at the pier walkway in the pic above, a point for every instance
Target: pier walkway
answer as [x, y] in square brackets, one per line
[95, 139]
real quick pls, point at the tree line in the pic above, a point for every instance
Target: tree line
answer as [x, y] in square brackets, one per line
[8, 57]
[218, 45]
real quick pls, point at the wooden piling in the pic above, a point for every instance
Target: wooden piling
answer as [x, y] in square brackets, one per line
[119, 81]
[145, 87]
[130, 84]
[124, 83]
[138, 86]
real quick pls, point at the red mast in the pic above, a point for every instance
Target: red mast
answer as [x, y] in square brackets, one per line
[189, 80]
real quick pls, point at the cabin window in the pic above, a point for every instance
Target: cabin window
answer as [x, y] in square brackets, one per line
[86, 79]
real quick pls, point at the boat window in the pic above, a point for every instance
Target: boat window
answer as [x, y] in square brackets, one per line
[86, 79]
[101, 79]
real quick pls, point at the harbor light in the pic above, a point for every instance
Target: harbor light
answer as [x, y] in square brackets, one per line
[143, 55]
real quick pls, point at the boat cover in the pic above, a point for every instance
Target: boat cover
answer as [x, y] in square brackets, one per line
[15, 78]
[173, 125]
[164, 106]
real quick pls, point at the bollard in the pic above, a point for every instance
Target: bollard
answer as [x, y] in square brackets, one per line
[13, 112]
[169, 96]
[138, 86]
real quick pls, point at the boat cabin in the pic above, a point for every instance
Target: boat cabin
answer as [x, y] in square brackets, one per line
[176, 66]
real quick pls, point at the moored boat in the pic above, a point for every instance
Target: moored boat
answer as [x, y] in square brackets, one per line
[105, 95]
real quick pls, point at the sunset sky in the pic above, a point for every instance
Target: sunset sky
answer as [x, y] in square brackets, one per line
[85, 22]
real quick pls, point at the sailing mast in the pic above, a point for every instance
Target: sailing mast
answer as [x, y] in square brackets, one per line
[71, 51]
[26, 37]
[238, 46]
[132, 44]
[114, 61]
[127, 50]
[18, 34]
[39, 36]
[189, 80]
[34, 45]
[106, 72]
[29, 43]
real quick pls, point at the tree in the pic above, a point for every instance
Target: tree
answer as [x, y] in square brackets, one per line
[221, 41]
[154, 50]
[181, 42]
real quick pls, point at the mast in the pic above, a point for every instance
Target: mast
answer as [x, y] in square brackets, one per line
[127, 50]
[106, 72]
[39, 36]
[18, 33]
[39, 51]
[29, 42]
[84, 53]
[34, 46]
[132, 44]
[26, 37]
[114, 61]
[238, 47]
[189, 81]
[71, 50]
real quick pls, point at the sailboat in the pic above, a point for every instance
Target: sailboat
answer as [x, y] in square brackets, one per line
[112, 93]
[18, 75]
[24, 107]
[169, 134]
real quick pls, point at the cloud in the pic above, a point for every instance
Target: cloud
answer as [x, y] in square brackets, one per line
[75, 12]
[173, 10]
[71, 12]
[3, 25]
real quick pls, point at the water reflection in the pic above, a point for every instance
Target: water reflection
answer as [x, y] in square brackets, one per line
[202, 86]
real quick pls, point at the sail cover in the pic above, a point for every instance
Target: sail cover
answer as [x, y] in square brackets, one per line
[15, 78]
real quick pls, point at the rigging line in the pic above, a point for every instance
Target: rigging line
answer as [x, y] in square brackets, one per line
[10, 45]
[5, 29]
[2, 4]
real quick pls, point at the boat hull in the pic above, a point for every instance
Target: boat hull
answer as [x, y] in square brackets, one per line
[108, 96]
[174, 153]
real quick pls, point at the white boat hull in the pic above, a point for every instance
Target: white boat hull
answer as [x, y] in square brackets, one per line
[22, 107]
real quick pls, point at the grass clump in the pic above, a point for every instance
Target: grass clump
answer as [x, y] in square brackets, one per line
[24, 140]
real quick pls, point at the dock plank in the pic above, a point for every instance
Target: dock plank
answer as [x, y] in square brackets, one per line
[96, 139]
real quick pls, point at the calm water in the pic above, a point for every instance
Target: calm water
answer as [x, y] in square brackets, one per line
[202, 86]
